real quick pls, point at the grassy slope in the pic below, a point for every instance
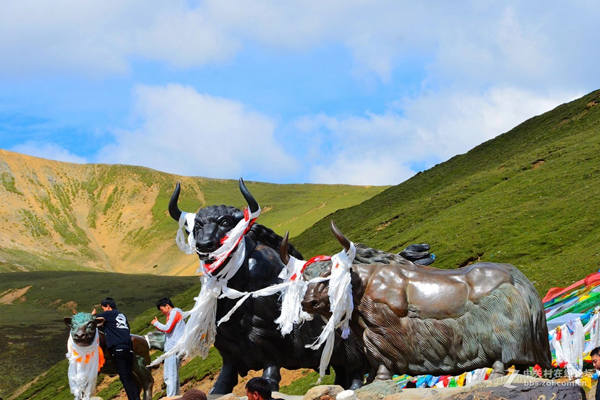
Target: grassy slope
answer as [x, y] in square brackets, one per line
[32, 332]
[529, 197]
[114, 217]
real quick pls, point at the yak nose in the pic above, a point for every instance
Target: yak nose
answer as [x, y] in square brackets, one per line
[309, 304]
[206, 240]
[78, 336]
[206, 245]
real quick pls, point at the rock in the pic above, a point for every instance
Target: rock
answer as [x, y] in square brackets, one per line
[524, 392]
[377, 390]
[316, 392]
[517, 387]
[346, 395]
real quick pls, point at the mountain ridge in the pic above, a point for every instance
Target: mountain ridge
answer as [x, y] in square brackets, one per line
[114, 217]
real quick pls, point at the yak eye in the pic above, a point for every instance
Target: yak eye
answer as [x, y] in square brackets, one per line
[225, 222]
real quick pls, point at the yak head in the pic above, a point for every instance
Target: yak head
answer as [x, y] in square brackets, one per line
[212, 223]
[83, 327]
[316, 297]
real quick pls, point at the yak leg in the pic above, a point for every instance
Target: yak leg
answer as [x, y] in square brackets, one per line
[271, 373]
[383, 374]
[341, 377]
[143, 377]
[352, 380]
[228, 378]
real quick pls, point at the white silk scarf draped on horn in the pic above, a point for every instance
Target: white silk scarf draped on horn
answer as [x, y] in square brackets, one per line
[340, 303]
[200, 329]
[83, 367]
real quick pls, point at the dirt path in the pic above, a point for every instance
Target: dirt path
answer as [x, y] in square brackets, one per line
[11, 295]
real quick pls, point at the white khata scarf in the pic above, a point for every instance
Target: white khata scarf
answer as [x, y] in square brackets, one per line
[341, 305]
[84, 363]
[186, 222]
[293, 293]
[200, 329]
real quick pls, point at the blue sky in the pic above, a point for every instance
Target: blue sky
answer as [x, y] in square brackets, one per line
[359, 92]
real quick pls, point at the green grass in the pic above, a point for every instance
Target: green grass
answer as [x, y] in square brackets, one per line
[8, 181]
[300, 386]
[52, 385]
[35, 225]
[529, 197]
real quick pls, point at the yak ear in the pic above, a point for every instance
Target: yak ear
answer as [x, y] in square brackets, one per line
[67, 321]
[99, 321]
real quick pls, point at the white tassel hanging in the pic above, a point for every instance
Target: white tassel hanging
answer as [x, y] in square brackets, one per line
[341, 305]
[292, 296]
[186, 223]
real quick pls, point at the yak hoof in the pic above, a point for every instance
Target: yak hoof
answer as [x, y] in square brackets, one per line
[383, 374]
[356, 384]
[497, 370]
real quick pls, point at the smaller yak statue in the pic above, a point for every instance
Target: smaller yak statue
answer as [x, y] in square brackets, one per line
[413, 319]
[83, 330]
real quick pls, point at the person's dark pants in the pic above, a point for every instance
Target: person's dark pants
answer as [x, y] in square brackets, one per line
[124, 361]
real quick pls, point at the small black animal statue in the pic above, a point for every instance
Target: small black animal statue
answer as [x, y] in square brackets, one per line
[83, 329]
[414, 319]
[250, 339]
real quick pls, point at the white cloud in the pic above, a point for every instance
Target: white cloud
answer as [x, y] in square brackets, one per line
[533, 43]
[381, 148]
[50, 151]
[362, 169]
[189, 133]
[103, 37]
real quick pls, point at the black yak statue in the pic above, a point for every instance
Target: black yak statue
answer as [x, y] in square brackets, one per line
[250, 340]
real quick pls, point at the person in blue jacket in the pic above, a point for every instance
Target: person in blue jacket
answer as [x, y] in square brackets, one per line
[118, 343]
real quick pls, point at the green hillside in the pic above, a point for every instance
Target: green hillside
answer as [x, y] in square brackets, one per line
[530, 197]
[114, 217]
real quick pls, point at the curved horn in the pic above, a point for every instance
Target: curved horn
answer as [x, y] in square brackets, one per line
[340, 236]
[173, 207]
[249, 198]
[283, 249]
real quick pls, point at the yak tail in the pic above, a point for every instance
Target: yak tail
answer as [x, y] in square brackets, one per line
[538, 327]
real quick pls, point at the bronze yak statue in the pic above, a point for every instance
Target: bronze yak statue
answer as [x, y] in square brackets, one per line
[423, 320]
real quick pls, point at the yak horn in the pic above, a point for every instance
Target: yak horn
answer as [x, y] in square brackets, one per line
[283, 249]
[249, 198]
[340, 236]
[173, 207]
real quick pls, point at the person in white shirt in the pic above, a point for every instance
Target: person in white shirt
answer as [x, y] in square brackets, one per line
[173, 329]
